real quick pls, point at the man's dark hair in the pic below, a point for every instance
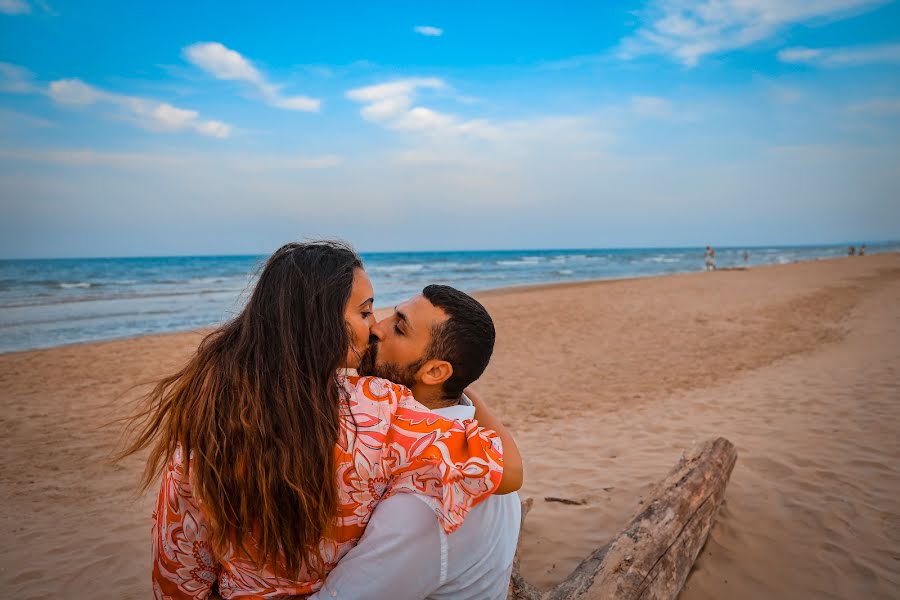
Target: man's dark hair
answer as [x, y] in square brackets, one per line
[465, 339]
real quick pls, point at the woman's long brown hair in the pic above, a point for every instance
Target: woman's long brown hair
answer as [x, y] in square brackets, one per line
[257, 410]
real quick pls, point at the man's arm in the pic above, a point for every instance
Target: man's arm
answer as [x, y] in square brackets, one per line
[399, 556]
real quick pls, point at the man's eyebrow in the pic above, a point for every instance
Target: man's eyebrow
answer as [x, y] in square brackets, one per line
[402, 316]
[367, 301]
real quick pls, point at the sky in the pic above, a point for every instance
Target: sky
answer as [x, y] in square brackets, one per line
[182, 128]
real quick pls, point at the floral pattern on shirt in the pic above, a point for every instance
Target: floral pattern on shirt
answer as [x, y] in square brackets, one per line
[388, 444]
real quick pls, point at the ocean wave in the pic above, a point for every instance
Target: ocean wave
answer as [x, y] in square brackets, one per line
[193, 280]
[524, 261]
[566, 258]
[453, 265]
[78, 284]
[47, 284]
[462, 267]
[396, 268]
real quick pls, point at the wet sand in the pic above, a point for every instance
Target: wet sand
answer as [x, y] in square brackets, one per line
[604, 385]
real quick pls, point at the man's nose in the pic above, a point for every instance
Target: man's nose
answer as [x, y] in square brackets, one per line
[378, 329]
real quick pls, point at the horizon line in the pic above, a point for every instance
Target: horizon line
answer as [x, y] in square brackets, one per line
[560, 249]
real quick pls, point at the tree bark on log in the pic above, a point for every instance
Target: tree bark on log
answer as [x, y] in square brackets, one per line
[651, 558]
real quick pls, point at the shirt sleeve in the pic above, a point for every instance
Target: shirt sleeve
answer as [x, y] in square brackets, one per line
[401, 556]
[184, 566]
[454, 464]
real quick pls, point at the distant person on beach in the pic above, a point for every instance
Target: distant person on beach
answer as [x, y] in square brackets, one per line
[710, 259]
[851, 251]
[746, 257]
[436, 344]
[274, 451]
[862, 250]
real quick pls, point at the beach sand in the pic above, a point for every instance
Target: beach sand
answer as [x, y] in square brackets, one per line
[604, 385]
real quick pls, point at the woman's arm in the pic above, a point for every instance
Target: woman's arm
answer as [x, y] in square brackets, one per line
[513, 471]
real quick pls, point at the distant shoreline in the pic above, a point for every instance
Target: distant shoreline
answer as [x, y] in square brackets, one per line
[383, 309]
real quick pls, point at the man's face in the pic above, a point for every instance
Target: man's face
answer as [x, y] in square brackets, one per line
[399, 342]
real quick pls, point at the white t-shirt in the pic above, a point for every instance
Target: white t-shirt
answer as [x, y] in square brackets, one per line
[404, 553]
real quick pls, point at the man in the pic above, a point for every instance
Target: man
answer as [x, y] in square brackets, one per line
[710, 259]
[436, 344]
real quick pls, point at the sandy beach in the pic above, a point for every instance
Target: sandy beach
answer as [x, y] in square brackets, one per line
[604, 385]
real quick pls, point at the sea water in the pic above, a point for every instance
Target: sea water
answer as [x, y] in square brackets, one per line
[50, 302]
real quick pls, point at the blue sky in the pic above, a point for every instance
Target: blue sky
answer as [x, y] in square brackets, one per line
[205, 128]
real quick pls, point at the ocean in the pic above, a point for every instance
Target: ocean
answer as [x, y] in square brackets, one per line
[51, 302]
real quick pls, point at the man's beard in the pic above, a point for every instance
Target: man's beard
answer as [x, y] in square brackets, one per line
[368, 365]
[367, 360]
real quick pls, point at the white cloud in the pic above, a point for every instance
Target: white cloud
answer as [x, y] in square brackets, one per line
[23, 7]
[877, 106]
[148, 113]
[795, 55]
[391, 104]
[221, 62]
[227, 64]
[16, 80]
[14, 7]
[171, 117]
[216, 129]
[388, 100]
[651, 107]
[428, 30]
[849, 56]
[75, 92]
[400, 87]
[687, 30]
[301, 103]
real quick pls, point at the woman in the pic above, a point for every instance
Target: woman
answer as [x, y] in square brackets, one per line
[273, 452]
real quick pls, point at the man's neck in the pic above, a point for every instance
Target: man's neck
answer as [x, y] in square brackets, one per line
[432, 397]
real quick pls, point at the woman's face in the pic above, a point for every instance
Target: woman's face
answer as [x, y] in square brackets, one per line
[359, 317]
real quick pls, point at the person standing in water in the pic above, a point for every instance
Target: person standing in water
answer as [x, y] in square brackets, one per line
[710, 259]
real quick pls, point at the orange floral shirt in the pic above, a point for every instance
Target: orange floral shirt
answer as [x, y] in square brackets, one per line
[388, 444]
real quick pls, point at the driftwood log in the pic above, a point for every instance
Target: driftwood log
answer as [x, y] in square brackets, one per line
[651, 558]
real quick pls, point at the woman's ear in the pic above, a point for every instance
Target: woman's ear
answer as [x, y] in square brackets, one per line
[435, 372]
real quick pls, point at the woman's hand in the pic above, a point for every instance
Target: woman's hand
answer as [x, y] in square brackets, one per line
[513, 470]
